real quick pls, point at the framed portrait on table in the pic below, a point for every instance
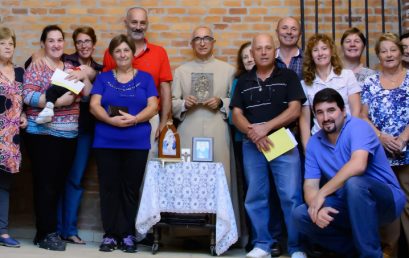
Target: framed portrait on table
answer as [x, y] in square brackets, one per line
[202, 149]
[169, 143]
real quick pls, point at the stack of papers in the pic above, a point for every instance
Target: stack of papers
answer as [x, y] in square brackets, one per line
[58, 78]
[283, 140]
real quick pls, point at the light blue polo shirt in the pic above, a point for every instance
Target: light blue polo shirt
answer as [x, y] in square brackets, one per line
[325, 159]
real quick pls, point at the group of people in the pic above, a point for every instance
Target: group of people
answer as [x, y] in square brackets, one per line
[340, 190]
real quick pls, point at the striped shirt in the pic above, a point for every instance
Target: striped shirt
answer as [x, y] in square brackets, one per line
[65, 120]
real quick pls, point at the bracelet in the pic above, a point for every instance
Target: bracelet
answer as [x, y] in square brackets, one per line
[379, 134]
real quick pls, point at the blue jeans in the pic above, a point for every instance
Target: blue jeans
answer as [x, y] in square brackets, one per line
[365, 204]
[286, 172]
[71, 198]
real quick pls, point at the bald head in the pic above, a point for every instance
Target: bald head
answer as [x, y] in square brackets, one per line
[288, 19]
[137, 10]
[200, 29]
[136, 23]
[202, 42]
[262, 37]
[263, 51]
[288, 32]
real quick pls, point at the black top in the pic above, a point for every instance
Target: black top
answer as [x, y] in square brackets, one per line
[18, 74]
[262, 101]
[86, 121]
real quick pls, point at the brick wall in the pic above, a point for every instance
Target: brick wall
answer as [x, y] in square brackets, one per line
[171, 22]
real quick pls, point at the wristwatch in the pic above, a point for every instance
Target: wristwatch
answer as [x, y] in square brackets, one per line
[220, 104]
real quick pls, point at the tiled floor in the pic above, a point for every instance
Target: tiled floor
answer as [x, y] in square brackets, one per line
[90, 250]
[173, 248]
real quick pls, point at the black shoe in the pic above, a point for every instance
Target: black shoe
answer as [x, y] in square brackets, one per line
[276, 250]
[108, 245]
[128, 244]
[52, 242]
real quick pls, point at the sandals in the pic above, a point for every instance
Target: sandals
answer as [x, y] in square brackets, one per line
[74, 240]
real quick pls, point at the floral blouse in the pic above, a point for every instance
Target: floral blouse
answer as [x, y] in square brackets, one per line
[388, 109]
[11, 106]
[362, 74]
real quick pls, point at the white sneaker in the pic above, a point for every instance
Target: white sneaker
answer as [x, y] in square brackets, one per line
[258, 253]
[46, 114]
[299, 255]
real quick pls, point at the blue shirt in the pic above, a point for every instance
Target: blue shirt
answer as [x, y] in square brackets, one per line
[388, 110]
[295, 62]
[133, 95]
[325, 159]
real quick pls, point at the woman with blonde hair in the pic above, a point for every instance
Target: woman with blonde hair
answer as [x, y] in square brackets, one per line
[12, 118]
[322, 68]
[385, 105]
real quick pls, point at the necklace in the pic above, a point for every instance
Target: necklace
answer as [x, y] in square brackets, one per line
[260, 88]
[258, 83]
[8, 71]
[396, 76]
[115, 71]
[125, 87]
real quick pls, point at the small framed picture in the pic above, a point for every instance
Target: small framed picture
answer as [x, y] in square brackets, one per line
[202, 149]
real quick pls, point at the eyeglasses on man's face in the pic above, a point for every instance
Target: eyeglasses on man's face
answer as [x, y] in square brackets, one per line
[205, 39]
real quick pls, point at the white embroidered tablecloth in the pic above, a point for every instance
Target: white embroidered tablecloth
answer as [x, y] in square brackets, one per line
[188, 187]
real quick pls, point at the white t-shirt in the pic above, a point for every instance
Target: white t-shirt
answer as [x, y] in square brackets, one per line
[345, 83]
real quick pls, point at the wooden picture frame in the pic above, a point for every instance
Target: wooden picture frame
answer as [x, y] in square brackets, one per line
[169, 143]
[202, 148]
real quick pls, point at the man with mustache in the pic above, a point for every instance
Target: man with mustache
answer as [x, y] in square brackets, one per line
[404, 39]
[266, 99]
[288, 54]
[361, 191]
[152, 59]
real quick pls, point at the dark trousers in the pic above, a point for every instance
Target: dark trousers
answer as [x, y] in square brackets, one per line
[5, 183]
[120, 174]
[54, 92]
[51, 159]
[365, 205]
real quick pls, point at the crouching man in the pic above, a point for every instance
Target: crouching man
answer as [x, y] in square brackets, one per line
[361, 192]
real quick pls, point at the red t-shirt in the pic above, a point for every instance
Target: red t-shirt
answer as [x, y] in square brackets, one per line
[153, 60]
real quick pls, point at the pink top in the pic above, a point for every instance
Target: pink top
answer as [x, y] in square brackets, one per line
[11, 106]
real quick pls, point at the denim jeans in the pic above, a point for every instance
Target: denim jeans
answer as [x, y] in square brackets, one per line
[286, 172]
[365, 204]
[71, 198]
[5, 185]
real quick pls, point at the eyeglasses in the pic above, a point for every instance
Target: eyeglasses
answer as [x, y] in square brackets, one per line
[86, 42]
[205, 39]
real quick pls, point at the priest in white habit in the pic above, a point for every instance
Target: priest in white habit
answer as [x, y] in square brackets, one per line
[200, 98]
